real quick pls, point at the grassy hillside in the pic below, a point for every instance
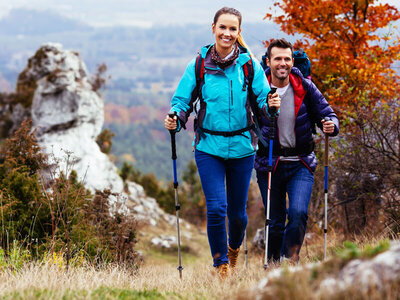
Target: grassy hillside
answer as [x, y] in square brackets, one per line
[158, 278]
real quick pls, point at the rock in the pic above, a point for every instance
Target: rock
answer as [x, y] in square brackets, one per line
[367, 274]
[68, 116]
[259, 239]
[358, 276]
[163, 241]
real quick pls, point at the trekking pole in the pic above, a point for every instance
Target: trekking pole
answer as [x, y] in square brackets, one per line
[271, 144]
[177, 205]
[245, 248]
[326, 188]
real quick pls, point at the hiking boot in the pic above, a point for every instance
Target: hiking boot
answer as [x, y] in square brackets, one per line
[223, 270]
[233, 255]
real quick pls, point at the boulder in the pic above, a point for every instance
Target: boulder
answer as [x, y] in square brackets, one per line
[68, 115]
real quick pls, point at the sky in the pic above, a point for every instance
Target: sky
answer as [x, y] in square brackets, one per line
[141, 12]
[147, 12]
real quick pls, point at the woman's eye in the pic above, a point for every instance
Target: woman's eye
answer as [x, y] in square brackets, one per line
[233, 28]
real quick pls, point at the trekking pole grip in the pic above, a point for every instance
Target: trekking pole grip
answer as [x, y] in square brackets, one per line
[173, 143]
[272, 109]
[326, 145]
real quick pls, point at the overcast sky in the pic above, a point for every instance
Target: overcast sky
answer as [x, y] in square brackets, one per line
[146, 12]
[141, 12]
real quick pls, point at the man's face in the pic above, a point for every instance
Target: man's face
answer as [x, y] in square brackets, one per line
[281, 62]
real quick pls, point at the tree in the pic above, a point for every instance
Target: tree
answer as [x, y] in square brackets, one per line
[351, 61]
[351, 64]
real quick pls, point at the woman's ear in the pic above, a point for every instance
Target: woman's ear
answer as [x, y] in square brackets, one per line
[213, 28]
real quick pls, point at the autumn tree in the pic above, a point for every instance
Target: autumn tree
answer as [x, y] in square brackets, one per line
[352, 46]
[351, 58]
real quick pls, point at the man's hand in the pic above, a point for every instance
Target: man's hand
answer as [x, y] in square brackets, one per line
[274, 100]
[328, 126]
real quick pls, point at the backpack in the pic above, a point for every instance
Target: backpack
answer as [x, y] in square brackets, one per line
[302, 62]
[197, 100]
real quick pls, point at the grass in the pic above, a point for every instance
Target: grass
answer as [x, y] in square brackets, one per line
[158, 278]
[49, 281]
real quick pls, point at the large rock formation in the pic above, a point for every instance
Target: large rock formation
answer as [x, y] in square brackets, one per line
[68, 116]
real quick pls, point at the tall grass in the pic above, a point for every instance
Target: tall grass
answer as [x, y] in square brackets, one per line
[48, 279]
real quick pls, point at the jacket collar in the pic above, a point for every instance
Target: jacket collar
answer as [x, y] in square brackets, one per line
[243, 58]
[295, 78]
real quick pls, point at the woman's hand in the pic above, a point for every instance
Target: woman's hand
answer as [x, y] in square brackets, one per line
[170, 123]
[274, 100]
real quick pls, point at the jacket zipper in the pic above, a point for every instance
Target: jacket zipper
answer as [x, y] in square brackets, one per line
[231, 94]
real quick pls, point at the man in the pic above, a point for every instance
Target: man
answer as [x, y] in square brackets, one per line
[294, 161]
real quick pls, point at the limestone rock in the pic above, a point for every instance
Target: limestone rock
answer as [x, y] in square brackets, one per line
[164, 241]
[358, 276]
[68, 116]
[367, 274]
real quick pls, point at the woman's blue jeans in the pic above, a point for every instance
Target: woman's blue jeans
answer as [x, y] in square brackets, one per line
[222, 201]
[293, 178]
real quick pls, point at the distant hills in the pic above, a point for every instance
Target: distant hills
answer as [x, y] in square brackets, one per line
[145, 65]
[33, 22]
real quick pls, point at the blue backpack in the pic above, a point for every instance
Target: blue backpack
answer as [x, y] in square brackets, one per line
[302, 62]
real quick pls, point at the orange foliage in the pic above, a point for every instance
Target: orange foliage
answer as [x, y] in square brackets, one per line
[351, 61]
[120, 114]
[114, 113]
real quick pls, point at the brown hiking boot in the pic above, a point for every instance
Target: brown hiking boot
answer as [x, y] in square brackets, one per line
[223, 270]
[233, 255]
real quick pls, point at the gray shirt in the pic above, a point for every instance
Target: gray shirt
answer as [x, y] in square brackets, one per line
[286, 121]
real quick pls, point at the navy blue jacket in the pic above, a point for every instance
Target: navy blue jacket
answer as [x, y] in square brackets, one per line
[318, 109]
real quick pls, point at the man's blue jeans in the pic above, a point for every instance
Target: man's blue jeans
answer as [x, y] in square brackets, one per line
[297, 181]
[220, 201]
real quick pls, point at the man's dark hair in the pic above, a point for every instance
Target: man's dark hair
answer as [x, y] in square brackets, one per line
[280, 43]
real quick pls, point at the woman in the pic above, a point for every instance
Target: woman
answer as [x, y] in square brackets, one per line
[224, 143]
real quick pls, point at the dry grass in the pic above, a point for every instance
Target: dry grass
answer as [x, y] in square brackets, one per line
[199, 281]
[158, 277]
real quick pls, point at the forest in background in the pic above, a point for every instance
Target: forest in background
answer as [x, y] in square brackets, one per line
[143, 68]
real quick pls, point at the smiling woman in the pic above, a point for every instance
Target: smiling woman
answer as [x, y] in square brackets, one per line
[225, 142]
[226, 29]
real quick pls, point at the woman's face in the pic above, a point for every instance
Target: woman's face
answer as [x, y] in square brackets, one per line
[226, 32]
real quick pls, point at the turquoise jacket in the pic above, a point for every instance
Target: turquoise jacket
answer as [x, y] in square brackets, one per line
[226, 107]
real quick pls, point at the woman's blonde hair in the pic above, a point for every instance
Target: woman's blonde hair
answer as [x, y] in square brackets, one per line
[242, 43]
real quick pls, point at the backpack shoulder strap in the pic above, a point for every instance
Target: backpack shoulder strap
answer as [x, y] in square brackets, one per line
[248, 70]
[248, 73]
[199, 69]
